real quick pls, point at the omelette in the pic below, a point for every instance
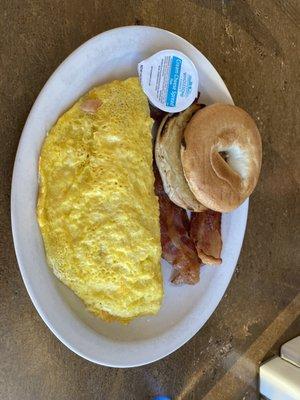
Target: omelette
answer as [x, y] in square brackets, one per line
[97, 210]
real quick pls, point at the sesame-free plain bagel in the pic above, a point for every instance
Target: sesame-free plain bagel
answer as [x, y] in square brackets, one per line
[167, 155]
[221, 155]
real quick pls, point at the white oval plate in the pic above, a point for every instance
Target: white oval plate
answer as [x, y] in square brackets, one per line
[113, 55]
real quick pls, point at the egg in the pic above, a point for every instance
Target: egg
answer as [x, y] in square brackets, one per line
[97, 211]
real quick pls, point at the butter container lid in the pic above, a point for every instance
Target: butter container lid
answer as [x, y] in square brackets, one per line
[170, 80]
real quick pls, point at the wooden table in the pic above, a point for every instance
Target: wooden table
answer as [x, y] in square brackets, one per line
[255, 47]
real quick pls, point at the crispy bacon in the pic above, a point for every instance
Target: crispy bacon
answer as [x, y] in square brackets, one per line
[177, 246]
[156, 113]
[206, 234]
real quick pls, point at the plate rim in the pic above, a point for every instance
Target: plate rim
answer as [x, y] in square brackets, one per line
[14, 225]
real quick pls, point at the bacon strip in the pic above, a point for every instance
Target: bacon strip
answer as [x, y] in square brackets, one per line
[206, 234]
[177, 246]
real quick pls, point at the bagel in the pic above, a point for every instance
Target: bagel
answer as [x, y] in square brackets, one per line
[221, 154]
[167, 155]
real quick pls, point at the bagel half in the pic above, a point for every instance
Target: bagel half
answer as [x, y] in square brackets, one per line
[167, 155]
[221, 154]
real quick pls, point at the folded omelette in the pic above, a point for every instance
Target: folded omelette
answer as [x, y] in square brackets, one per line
[97, 210]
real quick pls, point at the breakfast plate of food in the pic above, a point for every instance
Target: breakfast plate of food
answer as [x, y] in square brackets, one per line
[130, 195]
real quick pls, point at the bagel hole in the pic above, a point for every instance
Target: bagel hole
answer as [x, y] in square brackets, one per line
[224, 155]
[237, 159]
